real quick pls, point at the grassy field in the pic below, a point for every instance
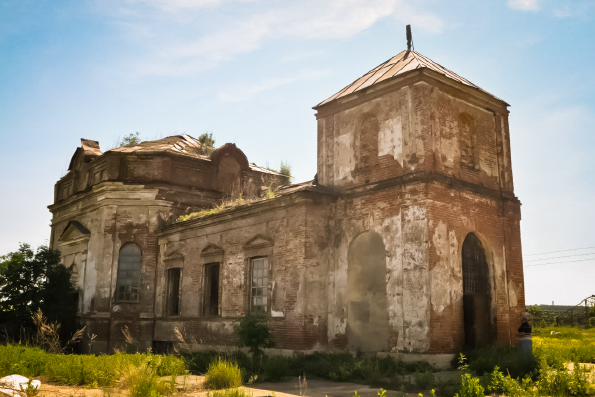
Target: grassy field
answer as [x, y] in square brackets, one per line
[564, 344]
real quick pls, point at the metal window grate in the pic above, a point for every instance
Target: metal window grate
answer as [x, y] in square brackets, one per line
[128, 279]
[475, 267]
[260, 282]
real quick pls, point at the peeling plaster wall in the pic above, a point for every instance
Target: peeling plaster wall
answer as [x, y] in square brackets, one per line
[418, 131]
[292, 237]
[398, 140]
[422, 224]
[398, 215]
[453, 214]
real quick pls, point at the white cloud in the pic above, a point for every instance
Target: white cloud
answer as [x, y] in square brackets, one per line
[578, 9]
[245, 30]
[247, 91]
[524, 5]
[175, 5]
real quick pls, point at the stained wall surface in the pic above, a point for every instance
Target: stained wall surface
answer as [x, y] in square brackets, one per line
[365, 257]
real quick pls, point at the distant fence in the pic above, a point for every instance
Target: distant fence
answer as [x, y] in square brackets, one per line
[579, 315]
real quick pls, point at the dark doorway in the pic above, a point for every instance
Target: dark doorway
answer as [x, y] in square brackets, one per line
[211, 306]
[173, 292]
[476, 293]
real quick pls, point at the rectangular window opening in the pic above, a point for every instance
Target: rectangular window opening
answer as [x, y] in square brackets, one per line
[259, 285]
[163, 347]
[211, 306]
[173, 292]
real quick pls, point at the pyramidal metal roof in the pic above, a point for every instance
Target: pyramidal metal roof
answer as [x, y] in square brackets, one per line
[403, 62]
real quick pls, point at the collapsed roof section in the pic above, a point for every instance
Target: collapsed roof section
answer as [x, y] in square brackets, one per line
[175, 144]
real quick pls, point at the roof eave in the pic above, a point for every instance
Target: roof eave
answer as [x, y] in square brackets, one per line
[406, 75]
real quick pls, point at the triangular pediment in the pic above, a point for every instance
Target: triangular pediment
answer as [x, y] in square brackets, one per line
[74, 231]
[258, 241]
[212, 249]
[175, 256]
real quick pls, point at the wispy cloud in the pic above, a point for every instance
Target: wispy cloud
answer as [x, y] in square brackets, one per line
[243, 31]
[524, 5]
[578, 9]
[247, 91]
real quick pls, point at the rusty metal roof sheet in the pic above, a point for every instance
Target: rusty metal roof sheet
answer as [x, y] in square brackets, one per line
[403, 62]
[179, 144]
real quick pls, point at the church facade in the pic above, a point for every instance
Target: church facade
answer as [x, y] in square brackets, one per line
[407, 240]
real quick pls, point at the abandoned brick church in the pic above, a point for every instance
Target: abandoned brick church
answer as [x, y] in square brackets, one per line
[406, 241]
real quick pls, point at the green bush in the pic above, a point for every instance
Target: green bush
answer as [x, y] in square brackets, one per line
[424, 380]
[275, 369]
[254, 333]
[470, 387]
[223, 375]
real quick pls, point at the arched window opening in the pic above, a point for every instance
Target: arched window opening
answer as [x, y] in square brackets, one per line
[468, 140]
[367, 302]
[476, 293]
[128, 281]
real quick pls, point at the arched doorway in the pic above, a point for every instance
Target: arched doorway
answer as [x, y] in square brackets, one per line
[476, 293]
[367, 305]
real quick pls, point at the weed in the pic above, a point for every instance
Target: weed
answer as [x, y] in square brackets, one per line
[285, 169]
[223, 375]
[275, 369]
[303, 385]
[449, 388]
[555, 382]
[236, 392]
[142, 381]
[483, 361]
[470, 387]
[424, 380]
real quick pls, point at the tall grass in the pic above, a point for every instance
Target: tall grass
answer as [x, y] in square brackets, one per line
[223, 375]
[73, 370]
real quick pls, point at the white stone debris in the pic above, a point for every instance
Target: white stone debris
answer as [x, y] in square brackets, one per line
[16, 385]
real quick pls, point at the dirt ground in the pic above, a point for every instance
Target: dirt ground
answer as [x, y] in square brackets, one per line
[192, 386]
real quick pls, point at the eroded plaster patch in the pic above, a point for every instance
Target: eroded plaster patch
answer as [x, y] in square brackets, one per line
[446, 274]
[512, 294]
[390, 139]
[343, 157]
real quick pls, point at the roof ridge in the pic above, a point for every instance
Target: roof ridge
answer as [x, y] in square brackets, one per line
[401, 66]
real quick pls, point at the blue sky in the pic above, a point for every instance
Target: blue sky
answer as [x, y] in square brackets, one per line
[250, 70]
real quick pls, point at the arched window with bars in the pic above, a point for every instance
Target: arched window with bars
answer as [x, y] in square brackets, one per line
[128, 279]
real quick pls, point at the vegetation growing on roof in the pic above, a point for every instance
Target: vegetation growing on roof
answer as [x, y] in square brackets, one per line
[285, 169]
[207, 143]
[231, 202]
[130, 140]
